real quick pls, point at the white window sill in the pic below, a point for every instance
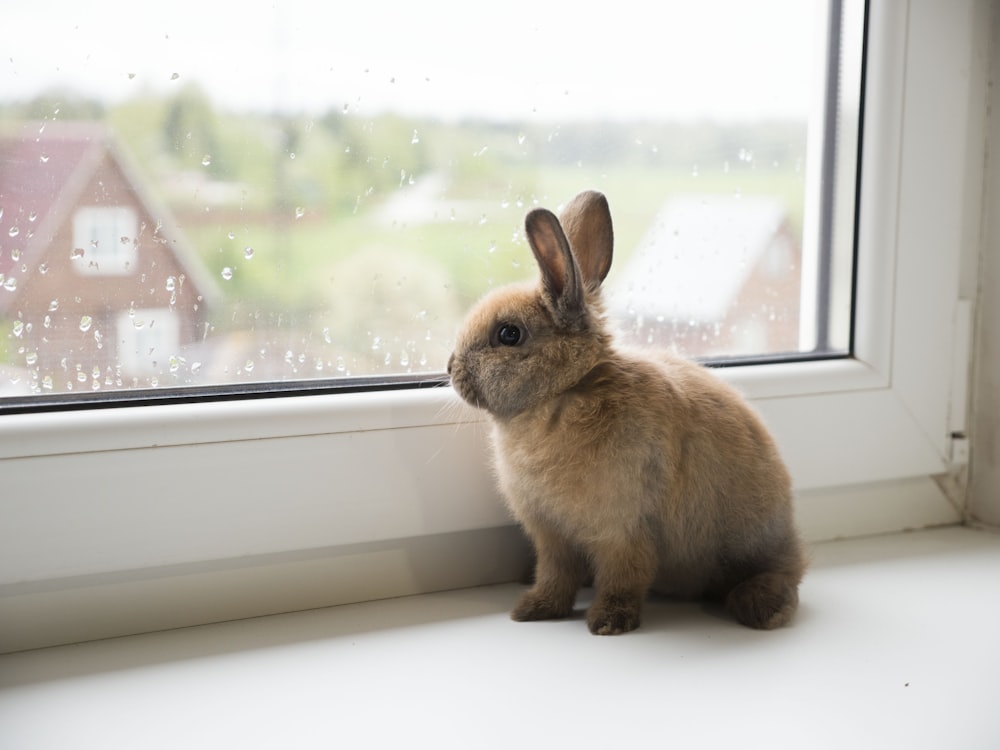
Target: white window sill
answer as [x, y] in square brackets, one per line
[894, 646]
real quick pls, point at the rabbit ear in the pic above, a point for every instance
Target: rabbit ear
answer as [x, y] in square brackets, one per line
[561, 279]
[587, 223]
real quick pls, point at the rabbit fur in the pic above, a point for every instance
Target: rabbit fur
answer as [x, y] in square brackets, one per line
[640, 471]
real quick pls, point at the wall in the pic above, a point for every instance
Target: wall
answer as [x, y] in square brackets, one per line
[984, 488]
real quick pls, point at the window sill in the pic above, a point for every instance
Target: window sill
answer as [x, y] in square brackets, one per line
[857, 668]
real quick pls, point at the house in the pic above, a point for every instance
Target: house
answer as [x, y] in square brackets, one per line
[714, 275]
[98, 288]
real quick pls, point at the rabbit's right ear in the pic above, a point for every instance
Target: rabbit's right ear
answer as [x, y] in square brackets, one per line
[562, 282]
[587, 222]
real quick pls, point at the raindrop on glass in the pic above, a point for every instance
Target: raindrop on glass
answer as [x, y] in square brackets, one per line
[76, 253]
[10, 284]
[171, 283]
[85, 323]
[14, 231]
[53, 305]
[299, 212]
[227, 273]
[206, 160]
[248, 252]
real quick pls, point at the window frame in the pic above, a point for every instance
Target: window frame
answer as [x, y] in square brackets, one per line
[198, 483]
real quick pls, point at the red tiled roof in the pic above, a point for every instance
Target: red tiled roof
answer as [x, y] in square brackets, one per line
[37, 165]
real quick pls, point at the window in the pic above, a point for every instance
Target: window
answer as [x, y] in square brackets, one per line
[189, 493]
[334, 208]
[104, 241]
[148, 341]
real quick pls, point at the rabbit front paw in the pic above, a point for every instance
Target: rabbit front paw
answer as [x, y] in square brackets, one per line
[613, 615]
[541, 605]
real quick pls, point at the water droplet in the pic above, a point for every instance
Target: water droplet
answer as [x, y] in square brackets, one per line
[81, 376]
[299, 212]
[85, 323]
[124, 240]
[171, 284]
[53, 305]
[520, 139]
[231, 235]
[47, 382]
[326, 336]
[227, 273]
[18, 328]
[206, 160]
[44, 158]
[415, 138]
[248, 366]
[31, 359]
[195, 367]
[248, 252]
[43, 268]
[48, 321]
[131, 76]
[10, 284]
[694, 171]
[32, 216]
[14, 231]
[341, 365]
[76, 253]
[175, 76]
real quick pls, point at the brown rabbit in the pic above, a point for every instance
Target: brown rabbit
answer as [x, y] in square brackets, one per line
[643, 471]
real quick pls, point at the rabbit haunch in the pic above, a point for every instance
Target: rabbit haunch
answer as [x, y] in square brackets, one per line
[638, 470]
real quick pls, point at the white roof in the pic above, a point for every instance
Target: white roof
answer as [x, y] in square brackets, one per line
[695, 257]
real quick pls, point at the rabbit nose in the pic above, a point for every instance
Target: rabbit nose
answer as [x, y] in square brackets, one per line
[450, 360]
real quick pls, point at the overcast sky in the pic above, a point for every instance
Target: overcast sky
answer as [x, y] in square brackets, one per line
[517, 59]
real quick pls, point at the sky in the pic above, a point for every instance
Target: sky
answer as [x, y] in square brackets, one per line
[516, 60]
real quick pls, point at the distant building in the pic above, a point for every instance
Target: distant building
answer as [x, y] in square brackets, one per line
[714, 275]
[98, 288]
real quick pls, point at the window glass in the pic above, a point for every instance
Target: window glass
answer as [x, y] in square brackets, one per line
[192, 195]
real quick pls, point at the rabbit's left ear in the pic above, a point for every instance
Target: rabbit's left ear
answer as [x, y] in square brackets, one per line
[562, 284]
[587, 223]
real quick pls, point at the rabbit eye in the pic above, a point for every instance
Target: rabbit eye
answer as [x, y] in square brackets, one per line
[509, 334]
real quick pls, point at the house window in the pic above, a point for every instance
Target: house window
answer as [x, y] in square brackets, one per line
[338, 223]
[105, 240]
[148, 342]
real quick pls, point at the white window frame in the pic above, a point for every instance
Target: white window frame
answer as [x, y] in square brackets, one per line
[186, 487]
